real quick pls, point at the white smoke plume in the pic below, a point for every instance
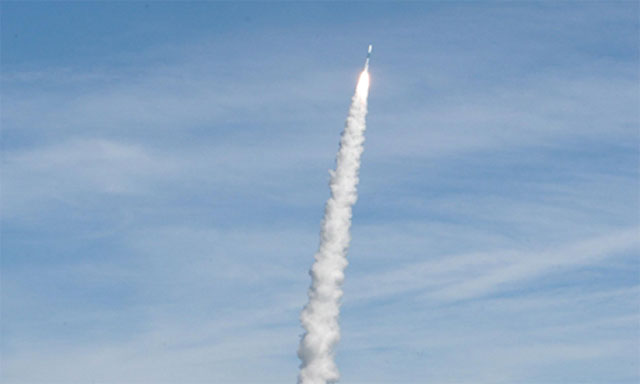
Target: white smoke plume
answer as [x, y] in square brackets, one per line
[320, 316]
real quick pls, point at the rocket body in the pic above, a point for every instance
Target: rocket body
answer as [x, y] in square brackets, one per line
[366, 63]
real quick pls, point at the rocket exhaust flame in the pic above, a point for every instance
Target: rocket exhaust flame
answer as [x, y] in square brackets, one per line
[362, 89]
[320, 316]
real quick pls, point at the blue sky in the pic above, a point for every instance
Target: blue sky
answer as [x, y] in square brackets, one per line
[164, 171]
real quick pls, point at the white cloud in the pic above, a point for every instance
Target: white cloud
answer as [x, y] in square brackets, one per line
[464, 276]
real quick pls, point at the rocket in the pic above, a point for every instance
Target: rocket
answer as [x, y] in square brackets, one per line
[366, 63]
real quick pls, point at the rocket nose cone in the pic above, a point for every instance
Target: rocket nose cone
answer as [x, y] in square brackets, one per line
[370, 48]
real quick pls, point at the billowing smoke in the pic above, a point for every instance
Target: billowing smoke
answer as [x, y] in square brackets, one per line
[320, 316]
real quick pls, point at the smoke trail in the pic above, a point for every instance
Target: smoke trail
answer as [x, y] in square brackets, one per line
[320, 316]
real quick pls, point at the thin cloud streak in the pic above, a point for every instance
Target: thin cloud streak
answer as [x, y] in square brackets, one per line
[468, 276]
